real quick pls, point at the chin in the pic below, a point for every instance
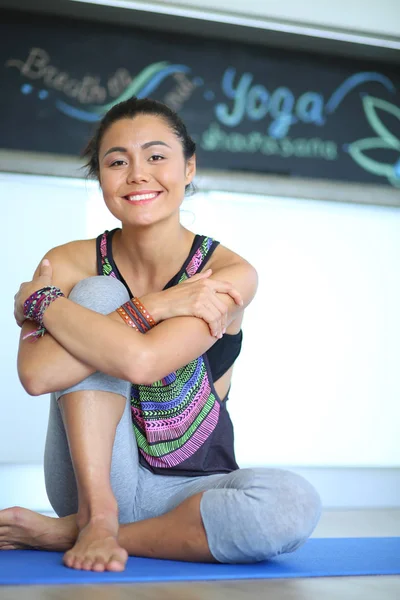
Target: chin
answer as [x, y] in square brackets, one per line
[140, 222]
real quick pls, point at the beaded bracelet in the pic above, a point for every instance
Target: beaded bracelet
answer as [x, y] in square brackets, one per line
[136, 315]
[35, 306]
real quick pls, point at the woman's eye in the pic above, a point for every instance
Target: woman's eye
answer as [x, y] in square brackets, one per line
[156, 157]
[117, 163]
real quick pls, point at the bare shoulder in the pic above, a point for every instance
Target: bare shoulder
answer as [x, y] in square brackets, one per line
[223, 256]
[72, 262]
[76, 252]
[230, 266]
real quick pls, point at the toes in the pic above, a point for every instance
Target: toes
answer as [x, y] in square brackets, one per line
[109, 557]
[98, 564]
[69, 559]
[84, 563]
[117, 562]
[115, 565]
[78, 562]
[87, 564]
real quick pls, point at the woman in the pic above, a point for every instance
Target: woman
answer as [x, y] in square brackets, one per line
[147, 468]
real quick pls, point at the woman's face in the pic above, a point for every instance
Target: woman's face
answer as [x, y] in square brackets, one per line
[143, 172]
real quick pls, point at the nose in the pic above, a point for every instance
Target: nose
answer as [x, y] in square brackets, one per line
[137, 172]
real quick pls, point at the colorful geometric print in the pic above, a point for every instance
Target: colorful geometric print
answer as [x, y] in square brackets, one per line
[173, 423]
[173, 417]
[197, 259]
[106, 267]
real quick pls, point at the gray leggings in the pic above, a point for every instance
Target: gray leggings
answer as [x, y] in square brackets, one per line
[248, 515]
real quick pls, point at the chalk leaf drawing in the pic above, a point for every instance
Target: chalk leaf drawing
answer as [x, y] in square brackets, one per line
[362, 151]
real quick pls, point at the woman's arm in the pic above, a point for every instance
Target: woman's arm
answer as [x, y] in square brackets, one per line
[108, 345]
[45, 365]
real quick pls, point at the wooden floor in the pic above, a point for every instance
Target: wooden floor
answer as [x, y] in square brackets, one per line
[353, 523]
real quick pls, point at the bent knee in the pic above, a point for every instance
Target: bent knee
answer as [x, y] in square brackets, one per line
[289, 512]
[275, 512]
[99, 293]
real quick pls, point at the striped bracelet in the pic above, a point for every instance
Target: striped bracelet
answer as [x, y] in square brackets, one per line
[35, 306]
[136, 315]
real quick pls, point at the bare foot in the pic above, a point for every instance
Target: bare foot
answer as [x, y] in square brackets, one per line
[96, 548]
[21, 529]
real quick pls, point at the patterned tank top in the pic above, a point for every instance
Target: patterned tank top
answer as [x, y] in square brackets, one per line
[180, 424]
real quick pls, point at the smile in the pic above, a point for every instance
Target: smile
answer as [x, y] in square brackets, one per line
[142, 198]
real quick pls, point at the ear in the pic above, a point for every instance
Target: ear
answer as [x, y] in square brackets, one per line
[190, 169]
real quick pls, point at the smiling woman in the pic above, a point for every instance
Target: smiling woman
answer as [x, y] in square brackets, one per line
[143, 172]
[140, 450]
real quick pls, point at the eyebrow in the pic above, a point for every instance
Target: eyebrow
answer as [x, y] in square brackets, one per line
[143, 146]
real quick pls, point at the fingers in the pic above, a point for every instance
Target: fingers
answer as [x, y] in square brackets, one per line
[212, 309]
[214, 312]
[42, 279]
[221, 322]
[224, 287]
[19, 316]
[198, 277]
[202, 300]
[203, 274]
[212, 315]
[18, 308]
[235, 295]
[45, 270]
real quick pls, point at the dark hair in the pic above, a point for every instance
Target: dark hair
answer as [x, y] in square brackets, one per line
[128, 110]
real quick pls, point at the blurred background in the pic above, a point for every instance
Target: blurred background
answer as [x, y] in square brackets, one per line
[295, 109]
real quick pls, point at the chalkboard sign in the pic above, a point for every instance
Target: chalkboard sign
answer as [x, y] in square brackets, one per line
[249, 108]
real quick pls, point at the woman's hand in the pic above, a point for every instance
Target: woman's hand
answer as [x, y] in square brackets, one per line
[42, 279]
[195, 297]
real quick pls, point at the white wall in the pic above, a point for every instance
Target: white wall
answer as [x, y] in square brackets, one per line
[38, 213]
[317, 383]
[374, 17]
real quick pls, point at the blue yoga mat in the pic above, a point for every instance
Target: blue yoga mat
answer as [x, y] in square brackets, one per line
[319, 557]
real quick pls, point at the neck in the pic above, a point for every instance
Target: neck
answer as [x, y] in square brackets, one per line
[152, 254]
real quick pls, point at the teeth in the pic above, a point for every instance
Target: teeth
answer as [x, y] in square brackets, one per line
[142, 197]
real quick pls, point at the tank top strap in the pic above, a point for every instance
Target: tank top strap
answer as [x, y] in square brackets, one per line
[201, 252]
[103, 255]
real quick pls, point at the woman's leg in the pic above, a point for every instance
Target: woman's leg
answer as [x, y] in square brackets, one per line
[91, 461]
[91, 418]
[59, 472]
[23, 529]
[248, 515]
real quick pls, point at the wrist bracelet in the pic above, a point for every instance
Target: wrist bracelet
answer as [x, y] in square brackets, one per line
[124, 315]
[35, 306]
[136, 315]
